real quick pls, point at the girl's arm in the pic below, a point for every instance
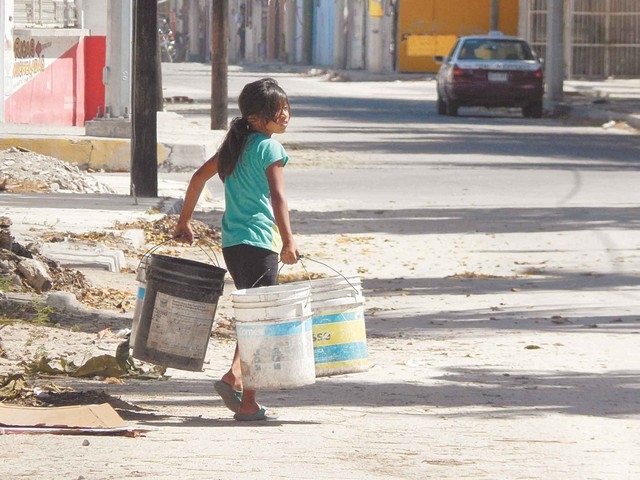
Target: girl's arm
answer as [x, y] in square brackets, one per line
[275, 177]
[208, 169]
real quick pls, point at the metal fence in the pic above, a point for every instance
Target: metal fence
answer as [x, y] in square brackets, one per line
[45, 13]
[602, 37]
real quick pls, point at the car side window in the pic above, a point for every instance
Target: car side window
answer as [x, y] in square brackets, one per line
[452, 52]
[467, 53]
[469, 50]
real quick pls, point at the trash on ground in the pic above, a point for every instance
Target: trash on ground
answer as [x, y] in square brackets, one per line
[99, 419]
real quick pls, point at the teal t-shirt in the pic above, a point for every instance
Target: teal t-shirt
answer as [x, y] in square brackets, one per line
[248, 216]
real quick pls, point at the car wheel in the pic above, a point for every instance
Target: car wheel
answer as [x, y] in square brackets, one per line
[442, 106]
[452, 108]
[533, 110]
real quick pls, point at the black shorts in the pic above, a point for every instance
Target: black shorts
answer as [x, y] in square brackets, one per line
[251, 266]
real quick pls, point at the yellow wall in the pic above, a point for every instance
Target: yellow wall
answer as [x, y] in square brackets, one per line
[430, 27]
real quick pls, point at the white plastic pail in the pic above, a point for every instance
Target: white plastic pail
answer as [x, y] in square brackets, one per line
[275, 344]
[339, 335]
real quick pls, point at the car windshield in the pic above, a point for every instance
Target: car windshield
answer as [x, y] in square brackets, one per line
[492, 49]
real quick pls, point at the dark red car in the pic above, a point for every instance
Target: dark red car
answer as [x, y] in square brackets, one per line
[490, 71]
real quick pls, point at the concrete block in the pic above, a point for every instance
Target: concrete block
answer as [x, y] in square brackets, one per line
[71, 255]
[62, 301]
[109, 127]
[135, 236]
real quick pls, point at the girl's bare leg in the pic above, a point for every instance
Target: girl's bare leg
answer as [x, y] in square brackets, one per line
[233, 377]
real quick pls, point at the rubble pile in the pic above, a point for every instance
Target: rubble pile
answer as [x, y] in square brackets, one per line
[22, 170]
[23, 268]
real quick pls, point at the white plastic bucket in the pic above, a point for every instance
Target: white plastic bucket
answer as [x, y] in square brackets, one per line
[339, 334]
[321, 286]
[257, 312]
[274, 295]
[274, 343]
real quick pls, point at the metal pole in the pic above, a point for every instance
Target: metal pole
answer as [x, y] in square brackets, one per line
[568, 39]
[495, 15]
[554, 61]
[117, 72]
[219, 63]
[307, 32]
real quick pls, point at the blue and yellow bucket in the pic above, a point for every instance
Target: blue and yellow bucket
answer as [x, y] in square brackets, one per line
[338, 326]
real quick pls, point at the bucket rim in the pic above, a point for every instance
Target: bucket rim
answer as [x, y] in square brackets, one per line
[352, 302]
[271, 289]
[324, 284]
[184, 261]
[275, 321]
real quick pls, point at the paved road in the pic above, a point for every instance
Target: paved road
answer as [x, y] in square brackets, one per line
[383, 144]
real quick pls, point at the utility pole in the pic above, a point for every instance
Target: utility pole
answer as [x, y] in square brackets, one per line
[495, 15]
[219, 63]
[554, 56]
[307, 31]
[117, 71]
[144, 141]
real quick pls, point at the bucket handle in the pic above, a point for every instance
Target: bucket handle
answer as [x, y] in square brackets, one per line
[305, 257]
[156, 247]
[279, 270]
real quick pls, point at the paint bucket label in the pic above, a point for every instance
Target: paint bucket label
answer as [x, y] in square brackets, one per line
[339, 340]
[276, 355]
[187, 322]
[178, 312]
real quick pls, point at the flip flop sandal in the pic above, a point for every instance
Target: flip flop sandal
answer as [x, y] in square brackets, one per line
[231, 398]
[260, 415]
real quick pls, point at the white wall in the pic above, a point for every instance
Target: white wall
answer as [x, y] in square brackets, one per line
[93, 16]
[6, 52]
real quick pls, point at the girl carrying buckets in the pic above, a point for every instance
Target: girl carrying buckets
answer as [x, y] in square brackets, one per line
[255, 225]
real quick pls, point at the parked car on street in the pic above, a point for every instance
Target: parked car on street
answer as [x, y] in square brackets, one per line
[491, 70]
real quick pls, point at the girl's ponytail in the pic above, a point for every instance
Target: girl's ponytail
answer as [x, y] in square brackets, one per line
[232, 145]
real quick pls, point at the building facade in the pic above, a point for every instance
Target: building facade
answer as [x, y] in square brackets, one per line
[58, 55]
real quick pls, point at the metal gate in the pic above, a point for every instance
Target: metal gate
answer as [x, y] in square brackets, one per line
[324, 14]
[602, 37]
[45, 13]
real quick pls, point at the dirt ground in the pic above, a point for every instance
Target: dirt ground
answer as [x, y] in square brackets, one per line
[494, 367]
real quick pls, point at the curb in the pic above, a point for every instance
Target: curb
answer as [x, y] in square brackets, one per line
[113, 154]
[602, 115]
[605, 115]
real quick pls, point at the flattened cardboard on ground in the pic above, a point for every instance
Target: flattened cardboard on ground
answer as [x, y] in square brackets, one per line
[123, 432]
[101, 416]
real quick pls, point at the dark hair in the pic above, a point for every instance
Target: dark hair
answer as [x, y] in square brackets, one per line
[263, 98]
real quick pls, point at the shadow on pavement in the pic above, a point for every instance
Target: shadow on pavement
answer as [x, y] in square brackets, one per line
[504, 393]
[465, 220]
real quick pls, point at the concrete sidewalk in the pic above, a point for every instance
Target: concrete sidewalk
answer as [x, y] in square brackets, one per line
[604, 101]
